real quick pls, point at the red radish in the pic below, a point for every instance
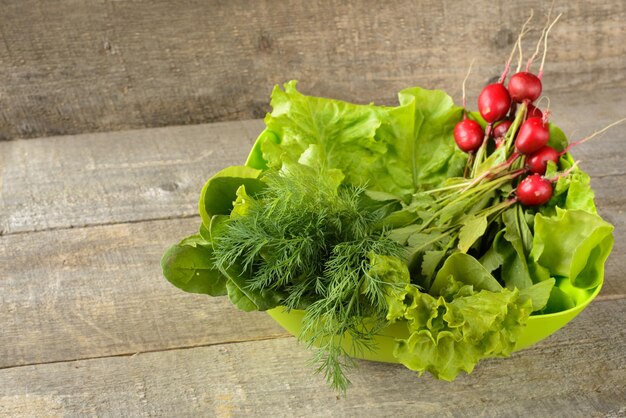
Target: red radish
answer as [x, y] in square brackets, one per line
[537, 162]
[524, 86]
[501, 129]
[533, 112]
[532, 135]
[534, 190]
[468, 135]
[494, 102]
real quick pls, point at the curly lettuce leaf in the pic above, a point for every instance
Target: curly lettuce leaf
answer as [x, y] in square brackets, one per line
[448, 337]
[467, 317]
[398, 150]
[324, 133]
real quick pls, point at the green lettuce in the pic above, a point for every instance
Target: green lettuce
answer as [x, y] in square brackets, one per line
[447, 337]
[466, 316]
[398, 150]
[573, 244]
[431, 153]
[335, 213]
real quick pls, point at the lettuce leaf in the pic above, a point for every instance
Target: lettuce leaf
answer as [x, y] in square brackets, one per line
[573, 244]
[326, 133]
[466, 316]
[447, 337]
[431, 153]
[465, 269]
[398, 150]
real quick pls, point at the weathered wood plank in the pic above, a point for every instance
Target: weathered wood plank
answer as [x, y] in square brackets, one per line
[115, 177]
[99, 291]
[82, 66]
[578, 372]
[94, 179]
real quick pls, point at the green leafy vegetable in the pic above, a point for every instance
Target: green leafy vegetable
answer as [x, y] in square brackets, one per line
[431, 153]
[450, 336]
[364, 215]
[308, 238]
[220, 191]
[465, 269]
[397, 150]
[189, 266]
[573, 244]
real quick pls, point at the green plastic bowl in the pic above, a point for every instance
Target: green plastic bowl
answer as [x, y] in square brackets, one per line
[537, 328]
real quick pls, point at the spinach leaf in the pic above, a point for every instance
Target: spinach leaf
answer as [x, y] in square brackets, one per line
[463, 269]
[189, 266]
[246, 298]
[539, 293]
[219, 193]
[558, 301]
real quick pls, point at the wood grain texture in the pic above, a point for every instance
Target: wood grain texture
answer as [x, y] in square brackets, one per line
[99, 291]
[71, 181]
[93, 179]
[74, 66]
[578, 372]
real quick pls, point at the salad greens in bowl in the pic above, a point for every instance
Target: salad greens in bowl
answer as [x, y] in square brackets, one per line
[368, 233]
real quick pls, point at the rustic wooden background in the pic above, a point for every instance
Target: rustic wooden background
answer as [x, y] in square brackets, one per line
[89, 327]
[75, 66]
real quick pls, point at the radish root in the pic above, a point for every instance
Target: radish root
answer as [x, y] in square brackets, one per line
[545, 46]
[543, 34]
[469, 70]
[523, 32]
[593, 135]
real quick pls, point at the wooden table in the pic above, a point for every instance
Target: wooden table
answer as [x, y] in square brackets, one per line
[88, 326]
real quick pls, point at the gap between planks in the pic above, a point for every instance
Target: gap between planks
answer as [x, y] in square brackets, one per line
[136, 353]
[183, 216]
[147, 174]
[111, 223]
[272, 378]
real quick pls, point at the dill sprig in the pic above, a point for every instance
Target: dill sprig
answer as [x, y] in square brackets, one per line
[352, 293]
[311, 239]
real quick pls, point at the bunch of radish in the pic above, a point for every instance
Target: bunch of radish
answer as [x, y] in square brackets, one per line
[499, 105]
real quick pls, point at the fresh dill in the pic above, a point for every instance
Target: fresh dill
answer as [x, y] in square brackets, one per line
[311, 238]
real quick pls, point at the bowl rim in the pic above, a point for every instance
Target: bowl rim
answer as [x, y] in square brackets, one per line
[580, 306]
[583, 305]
